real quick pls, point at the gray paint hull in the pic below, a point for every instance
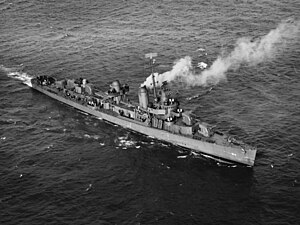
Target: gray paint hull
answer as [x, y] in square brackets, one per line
[234, 154]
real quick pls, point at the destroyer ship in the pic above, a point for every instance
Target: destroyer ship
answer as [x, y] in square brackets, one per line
[157, 115]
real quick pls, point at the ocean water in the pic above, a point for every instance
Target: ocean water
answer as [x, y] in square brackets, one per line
[60, 166]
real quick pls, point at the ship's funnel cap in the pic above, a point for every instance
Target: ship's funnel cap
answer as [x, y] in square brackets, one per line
[116, 85]
[143, 89]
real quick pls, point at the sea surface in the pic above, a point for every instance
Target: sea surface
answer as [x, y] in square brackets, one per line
[60, 166]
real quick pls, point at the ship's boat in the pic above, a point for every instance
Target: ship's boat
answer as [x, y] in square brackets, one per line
[159, 116]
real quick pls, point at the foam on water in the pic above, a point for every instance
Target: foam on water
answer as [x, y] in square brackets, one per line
[16, 74]
[125, 142]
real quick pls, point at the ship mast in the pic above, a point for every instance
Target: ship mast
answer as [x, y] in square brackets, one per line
[152, 61]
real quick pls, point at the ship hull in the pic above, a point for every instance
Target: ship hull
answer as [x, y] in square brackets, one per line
[231, 154]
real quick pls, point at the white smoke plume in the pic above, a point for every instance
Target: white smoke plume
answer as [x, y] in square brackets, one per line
[181, 68]
[246, 51]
